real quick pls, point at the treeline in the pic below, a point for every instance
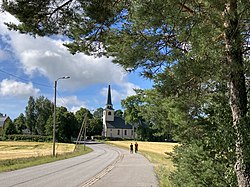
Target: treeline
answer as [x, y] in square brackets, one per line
[38, 120]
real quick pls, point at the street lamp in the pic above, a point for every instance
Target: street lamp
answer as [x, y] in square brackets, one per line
[54, 124]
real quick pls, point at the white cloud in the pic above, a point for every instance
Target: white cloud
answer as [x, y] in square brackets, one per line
[48, 57]
[17, 89]
[71, 102]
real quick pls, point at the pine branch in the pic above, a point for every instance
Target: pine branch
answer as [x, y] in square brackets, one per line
[60, 7]
[189, 10]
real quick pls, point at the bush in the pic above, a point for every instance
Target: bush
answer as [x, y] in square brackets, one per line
[199, 167]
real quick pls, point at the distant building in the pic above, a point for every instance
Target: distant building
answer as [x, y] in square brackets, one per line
[3, 119]
[114, 126]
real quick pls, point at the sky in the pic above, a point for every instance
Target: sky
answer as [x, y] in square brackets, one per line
[29, 66]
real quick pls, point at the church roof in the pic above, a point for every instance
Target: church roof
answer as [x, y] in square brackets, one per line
[109, 102]
[118, 123]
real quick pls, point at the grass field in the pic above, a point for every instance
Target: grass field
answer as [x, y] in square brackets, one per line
[13, 149]
[158, 154]
[16, 155]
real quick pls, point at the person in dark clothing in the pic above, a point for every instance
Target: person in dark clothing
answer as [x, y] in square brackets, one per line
[131, 148]
[136, 147]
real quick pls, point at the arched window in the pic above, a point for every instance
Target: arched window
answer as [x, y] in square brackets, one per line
[109, 113]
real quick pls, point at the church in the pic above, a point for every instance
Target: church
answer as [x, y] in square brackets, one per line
[115, 126]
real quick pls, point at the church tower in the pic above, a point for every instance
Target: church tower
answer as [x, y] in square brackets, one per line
[115, 126]
[108, 112]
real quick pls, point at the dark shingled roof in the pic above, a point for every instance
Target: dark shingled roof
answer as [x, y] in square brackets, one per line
[118, 123]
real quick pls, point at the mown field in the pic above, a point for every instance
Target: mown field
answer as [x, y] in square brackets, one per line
[158, 154]
[16, 155]
[13, 150]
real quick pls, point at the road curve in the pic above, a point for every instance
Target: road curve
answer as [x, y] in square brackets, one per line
[73, 172]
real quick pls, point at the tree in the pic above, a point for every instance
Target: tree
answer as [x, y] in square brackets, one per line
[98, 113]
[119, 113]
[95, 127]
[132, 112]
[147, 111]
[66, 125]
[80, 115]
[31, 115]
[198, 44]
[9, 127]
[43, 110]
[156, 113]
[84, 115]
[20, 123]
[70, 129]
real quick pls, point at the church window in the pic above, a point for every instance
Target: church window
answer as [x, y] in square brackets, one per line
[109, 113]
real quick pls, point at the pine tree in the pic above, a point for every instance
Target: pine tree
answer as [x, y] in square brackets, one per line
[204, 42]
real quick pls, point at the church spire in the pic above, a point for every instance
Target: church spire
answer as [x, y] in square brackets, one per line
[109, 102]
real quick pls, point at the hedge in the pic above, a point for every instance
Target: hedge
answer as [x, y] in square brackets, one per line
[25, 137]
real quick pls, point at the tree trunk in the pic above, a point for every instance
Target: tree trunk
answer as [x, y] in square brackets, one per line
[237, 89]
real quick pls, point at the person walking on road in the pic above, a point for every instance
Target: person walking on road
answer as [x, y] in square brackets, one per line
[136, 147]
[131, 148]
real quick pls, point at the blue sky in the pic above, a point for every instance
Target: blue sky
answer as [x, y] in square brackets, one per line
[29, 66]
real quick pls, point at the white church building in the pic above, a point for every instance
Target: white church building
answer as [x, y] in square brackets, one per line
[115, 126]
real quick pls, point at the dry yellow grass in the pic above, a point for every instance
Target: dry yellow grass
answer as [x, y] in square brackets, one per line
[15, 149]
[156, 152]
[154, 147]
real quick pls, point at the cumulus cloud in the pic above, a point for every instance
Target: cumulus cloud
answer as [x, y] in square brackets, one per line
[17, 89]
[48, 57]
[71, 102]
[52, 60]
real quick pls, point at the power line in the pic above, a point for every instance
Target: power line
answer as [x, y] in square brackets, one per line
[62, 100]
[26, 80]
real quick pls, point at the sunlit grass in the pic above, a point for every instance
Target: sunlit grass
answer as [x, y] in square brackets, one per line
[158, 154]
[17, 155]
[13, 149]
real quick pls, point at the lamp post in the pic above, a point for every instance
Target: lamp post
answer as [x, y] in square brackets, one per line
[54, 124]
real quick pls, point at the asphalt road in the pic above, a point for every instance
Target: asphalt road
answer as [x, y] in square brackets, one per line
[94, 169]
[132, 170]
